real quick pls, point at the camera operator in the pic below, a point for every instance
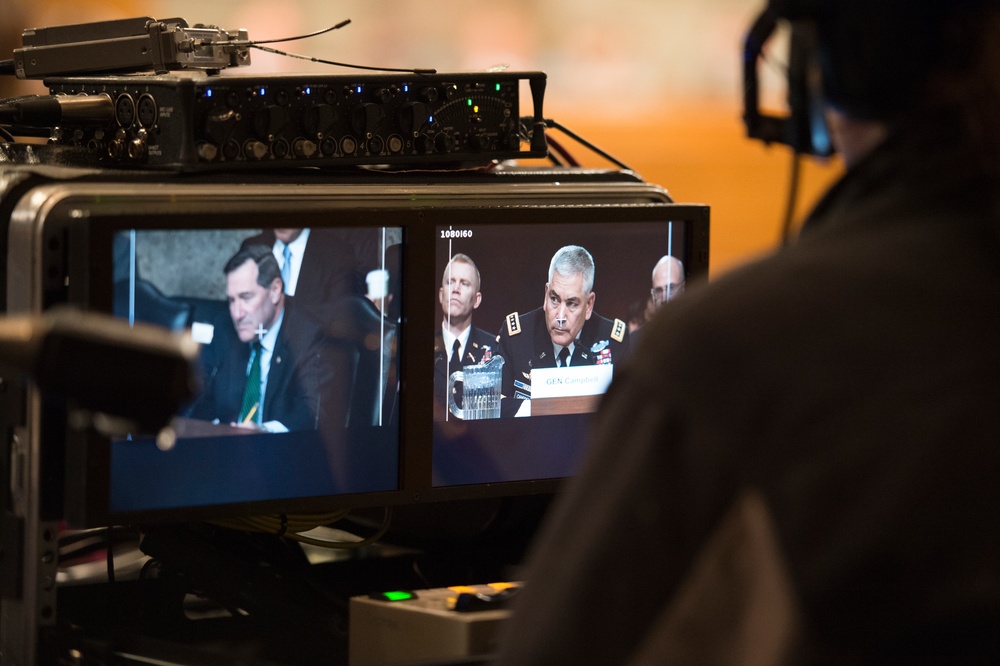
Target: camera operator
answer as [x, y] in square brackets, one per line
[802, 465]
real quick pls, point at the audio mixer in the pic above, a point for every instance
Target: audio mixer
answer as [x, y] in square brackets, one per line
[201, 122]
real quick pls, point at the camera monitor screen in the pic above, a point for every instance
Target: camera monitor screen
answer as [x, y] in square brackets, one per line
[533, 322]
[329, 378]
[298, 370]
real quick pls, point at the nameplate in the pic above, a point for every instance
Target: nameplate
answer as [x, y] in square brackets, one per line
[568, 382]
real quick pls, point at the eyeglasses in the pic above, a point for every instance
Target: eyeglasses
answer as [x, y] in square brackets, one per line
[668, 292]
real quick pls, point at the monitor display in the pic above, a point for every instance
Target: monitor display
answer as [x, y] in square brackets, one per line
[324, 379]
[533, 321]
[297, 366]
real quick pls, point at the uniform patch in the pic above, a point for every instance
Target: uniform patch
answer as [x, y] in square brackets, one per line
[513, 324]
[599, 346]
[618, 330]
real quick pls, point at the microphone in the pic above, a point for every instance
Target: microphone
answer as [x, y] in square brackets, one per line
[54, 110]
[139, 373]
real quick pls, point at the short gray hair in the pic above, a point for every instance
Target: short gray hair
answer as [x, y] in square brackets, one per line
[570, 260]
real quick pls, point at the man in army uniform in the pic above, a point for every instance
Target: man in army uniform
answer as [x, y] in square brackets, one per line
[564, 332]
[458, 343]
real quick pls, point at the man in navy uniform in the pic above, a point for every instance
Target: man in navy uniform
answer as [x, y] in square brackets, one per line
[564, 332]
[458, 343]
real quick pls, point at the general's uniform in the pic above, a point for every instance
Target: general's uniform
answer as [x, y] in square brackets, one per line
[524, 343]
[480, 347]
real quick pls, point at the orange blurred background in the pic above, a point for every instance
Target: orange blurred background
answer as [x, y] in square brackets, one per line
[657, 85]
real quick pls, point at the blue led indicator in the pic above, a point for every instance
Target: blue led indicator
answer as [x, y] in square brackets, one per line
[262, 91]
[430, 119]
[406, 88]
[358, 90]
[309, 91]
[208, 92]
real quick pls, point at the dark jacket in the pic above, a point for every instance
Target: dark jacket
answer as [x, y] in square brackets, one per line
[300, 375]
[805, 460]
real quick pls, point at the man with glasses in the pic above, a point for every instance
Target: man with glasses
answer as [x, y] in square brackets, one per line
[668, 280]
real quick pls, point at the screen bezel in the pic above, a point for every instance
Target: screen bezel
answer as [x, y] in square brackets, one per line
[90, 237]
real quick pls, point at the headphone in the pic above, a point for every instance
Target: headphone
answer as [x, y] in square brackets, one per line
[804, 129]
[866, 58]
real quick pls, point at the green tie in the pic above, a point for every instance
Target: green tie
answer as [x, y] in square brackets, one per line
[251, 394]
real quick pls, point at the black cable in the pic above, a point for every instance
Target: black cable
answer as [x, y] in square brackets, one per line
[7, 68]
[6, 136]
[551, 123]
[559, 155]
[793, 194]
[343, 64]
[111, 554]
[292, 39]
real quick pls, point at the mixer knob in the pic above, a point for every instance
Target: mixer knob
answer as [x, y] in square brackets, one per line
[479, 142]
[429, 94]
[304, 148]
[423, 144]
[444, 143]
[207, 152]
[255, 150]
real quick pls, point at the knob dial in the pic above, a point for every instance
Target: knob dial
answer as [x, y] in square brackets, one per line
[255, 150]
[429, 94]
[444, 143]
[423, 144]
[304, 148]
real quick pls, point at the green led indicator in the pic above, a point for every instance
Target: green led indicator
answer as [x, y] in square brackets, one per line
[498, 87]
[470, 101]
[398, 595]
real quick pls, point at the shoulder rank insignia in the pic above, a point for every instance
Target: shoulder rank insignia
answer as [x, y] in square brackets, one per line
[618, 330]
[599, 345]
[513, 324]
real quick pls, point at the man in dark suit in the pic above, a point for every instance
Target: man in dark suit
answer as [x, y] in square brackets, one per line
[275, 379]
[564, 332]
[320, 267]
[458, 343]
